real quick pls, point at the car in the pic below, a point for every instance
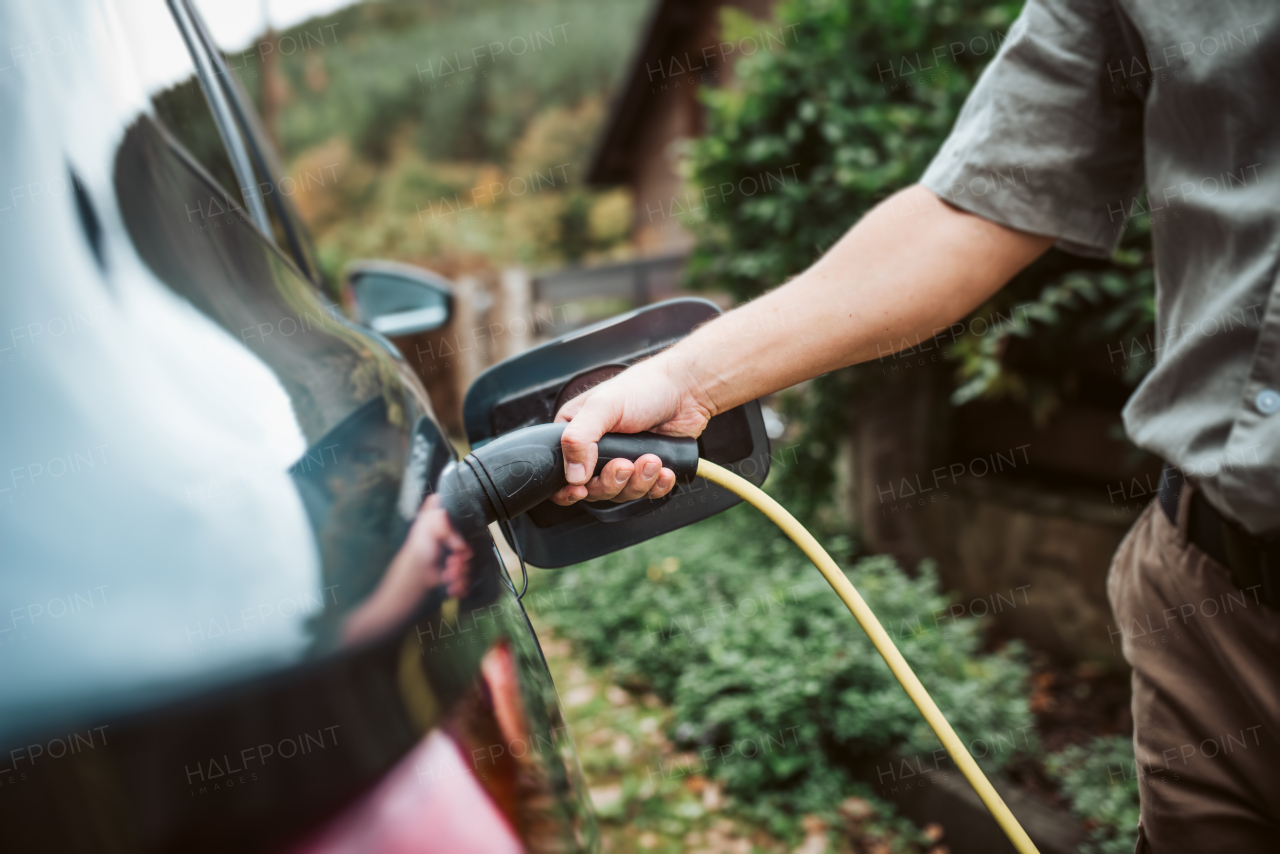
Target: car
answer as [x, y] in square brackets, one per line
[234, 615]
[227, 626]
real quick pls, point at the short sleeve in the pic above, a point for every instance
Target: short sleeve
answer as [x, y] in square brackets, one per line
[1045, 143]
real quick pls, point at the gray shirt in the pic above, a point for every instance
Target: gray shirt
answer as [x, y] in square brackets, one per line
[1087, 100]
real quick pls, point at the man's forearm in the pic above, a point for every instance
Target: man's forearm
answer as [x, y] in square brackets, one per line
[890, 281]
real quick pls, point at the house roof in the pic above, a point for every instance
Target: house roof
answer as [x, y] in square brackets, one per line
[670, 25]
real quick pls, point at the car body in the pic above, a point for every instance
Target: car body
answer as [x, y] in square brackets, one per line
[226, 620]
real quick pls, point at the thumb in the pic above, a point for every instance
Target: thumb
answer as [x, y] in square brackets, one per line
[598, 415]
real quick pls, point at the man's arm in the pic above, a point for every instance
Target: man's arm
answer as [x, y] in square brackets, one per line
[909, 268]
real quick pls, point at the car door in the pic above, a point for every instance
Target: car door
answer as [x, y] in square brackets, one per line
[270, 647]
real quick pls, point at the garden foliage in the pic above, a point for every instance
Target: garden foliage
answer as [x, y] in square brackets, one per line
[729, 623]
[1101, 781]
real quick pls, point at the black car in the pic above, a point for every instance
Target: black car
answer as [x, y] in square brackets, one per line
[234, 612]
[228, 620]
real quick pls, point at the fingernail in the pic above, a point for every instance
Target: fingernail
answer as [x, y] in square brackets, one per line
[622, 476]
[651, 468]
[577, 472]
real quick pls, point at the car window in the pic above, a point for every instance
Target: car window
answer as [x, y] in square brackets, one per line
[183, 110]
[168, 73]
[182, 100]
[237, 72]
[286, 226]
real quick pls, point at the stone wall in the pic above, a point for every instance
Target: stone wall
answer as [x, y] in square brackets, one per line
[1035, 561]
[1010, 540]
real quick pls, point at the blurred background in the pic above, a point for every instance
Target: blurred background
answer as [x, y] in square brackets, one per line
[561, 161]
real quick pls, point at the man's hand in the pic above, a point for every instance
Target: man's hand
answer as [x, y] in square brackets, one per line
[644, 397]
[433, 554]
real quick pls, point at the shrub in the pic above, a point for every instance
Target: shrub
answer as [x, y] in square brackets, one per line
[1100, 780]
[731, 624]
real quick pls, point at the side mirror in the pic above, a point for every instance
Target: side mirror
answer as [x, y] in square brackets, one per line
[397, 299]
[530, 388]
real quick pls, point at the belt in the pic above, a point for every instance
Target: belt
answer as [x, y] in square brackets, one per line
[1254, 561]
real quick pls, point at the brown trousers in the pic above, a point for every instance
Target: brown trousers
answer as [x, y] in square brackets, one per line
[1206, 694]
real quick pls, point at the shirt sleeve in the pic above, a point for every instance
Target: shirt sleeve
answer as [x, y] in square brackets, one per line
[1047, 142]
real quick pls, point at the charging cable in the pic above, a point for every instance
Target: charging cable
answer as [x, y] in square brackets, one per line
[883, 644]
[518, 470]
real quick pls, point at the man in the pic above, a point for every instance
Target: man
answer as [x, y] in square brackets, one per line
[1086, 99]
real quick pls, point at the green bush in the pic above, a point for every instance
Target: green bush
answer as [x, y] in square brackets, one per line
[840, 114]
[731, 624]
[1100, 780]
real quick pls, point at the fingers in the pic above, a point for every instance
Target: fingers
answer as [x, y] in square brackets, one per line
[596, 417]
[621, 480]
[644, 477]
[611, 481]
[666, 480]
[570, 494]
[434, 521]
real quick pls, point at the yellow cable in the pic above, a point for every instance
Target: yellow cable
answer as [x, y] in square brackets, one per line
[883, 644]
